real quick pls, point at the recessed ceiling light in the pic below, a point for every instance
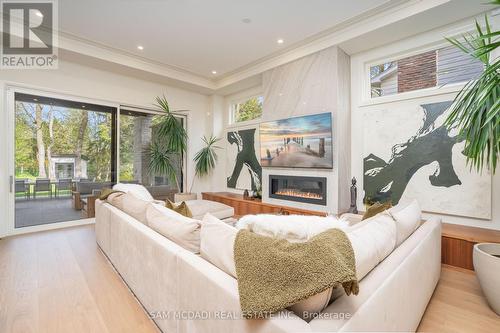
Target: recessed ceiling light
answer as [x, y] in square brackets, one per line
[214, 72]
[140, 47]
[246, 20]
[280, 41]
[35, 99]
[39, 14]
[83, 106]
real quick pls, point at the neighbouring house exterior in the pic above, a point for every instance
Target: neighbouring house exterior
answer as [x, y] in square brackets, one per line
[385, 83]
[435, 68]
[63, 166]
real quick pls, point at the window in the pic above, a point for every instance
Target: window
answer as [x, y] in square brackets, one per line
[65, 170]
[137, 130]
[429, 69]
[247, 109]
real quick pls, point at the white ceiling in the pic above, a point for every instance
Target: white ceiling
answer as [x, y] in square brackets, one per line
[200, 35]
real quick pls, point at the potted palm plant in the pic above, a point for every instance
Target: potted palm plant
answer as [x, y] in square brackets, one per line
[168, 145]
[476, 109]
[206, 159]
[476, 113]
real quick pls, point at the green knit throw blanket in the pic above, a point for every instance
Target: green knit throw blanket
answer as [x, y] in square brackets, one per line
[274, 274]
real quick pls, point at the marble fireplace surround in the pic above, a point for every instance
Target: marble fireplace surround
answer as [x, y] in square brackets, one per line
[314, 84]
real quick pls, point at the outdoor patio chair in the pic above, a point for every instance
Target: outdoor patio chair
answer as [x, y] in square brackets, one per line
[64, 184]
[22, 187]
[130, 182]
[85, 195]
[43, 185]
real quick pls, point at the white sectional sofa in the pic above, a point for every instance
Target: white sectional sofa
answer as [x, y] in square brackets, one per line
[185, 293]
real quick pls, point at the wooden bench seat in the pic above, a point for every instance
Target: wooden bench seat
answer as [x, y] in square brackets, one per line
[458, 241]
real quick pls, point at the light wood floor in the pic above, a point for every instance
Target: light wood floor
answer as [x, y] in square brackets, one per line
[458, 305]
[59, 281]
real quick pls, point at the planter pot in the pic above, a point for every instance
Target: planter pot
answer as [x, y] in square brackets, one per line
[486, 260]
[179, 197]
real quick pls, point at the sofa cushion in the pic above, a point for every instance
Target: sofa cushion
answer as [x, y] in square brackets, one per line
[293, 228]
[182, 230]
[351, 218]
[116, 199]
[138, 190]
[408, 217]
[200, 207]
[217, 243]
[372, 241]
[134, 206]
[394, 295]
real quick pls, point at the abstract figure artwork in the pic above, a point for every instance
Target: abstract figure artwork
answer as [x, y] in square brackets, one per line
[428, 165]
[242, 163]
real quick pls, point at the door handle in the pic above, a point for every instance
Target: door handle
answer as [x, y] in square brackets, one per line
[11, 183]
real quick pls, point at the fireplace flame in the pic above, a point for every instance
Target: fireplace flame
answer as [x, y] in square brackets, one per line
[299, 194]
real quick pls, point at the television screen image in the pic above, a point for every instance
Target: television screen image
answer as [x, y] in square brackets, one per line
[299, 142]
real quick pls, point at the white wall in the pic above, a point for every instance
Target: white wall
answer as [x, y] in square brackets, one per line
[361, 103]
[217, 179]
[82, 81]
[225, 115]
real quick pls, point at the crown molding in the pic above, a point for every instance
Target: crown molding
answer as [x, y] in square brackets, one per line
[88, 48]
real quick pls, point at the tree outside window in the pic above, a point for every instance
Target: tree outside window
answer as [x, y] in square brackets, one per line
[248, 110]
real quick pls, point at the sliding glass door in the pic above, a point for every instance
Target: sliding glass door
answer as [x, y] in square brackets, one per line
[64, 153]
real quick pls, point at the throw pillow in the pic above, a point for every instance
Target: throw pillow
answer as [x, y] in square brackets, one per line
[408, 218]
[375, 209]
[105, 192]
[135, 207]
[181, 208]
[182, 230]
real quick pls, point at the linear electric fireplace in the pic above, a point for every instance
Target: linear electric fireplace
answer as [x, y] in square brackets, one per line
[298, 188]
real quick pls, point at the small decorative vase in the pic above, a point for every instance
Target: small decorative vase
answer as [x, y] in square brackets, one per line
[486, 259]
[179, 197]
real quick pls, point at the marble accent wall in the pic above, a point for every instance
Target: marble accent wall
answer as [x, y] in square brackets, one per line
[304, 86]
[314, 84]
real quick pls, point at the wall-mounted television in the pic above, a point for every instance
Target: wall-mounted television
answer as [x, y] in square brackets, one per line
[299, 142]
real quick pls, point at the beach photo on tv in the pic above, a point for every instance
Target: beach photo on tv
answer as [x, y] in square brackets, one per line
[299, 142]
